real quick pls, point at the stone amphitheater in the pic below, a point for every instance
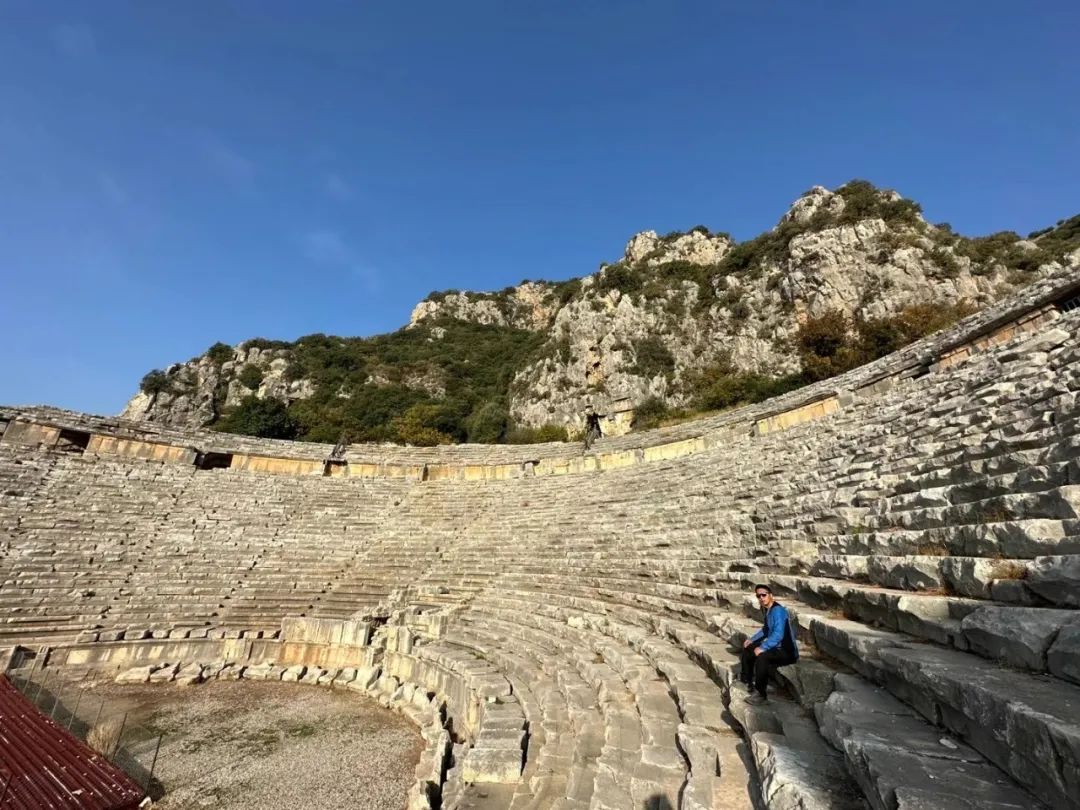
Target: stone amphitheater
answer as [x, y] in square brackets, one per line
[564, 626]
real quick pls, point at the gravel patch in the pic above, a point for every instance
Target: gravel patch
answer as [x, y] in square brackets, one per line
[263, 745]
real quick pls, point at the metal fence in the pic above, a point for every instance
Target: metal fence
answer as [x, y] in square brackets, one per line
[103, 725]
[1070, 305]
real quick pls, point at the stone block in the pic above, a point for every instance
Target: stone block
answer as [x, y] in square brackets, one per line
[884, 770]
[259, 672]
[189, 675]
[1056, 579]
[137, 674]
[1018, 636]
[492, 765]
[795, 779]
[1063, 657]
[294, 674]
[164, 673]
[914, 573]
[974, 576]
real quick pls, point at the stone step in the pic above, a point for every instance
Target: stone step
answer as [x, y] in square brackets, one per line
[1025, 726]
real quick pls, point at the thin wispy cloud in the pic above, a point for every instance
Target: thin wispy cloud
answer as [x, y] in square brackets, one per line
[368, 276]
[74, 40]
[111, 189]
[328, 248]
[227, 162]
[337, 187]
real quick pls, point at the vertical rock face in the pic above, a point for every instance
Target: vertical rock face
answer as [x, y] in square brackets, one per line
[696, 247]
[528, 306]
[199, 390]
[643, 326]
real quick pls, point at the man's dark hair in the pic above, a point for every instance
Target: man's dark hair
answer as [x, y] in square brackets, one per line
[762, 588]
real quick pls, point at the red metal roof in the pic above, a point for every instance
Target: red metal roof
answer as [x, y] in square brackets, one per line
[45, 766]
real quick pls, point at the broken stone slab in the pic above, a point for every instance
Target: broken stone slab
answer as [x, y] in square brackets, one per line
[610, 790]
[702, 751]
[883, 770]
[1018, 636]
[931, 799]
[137, 674]
[365, 679]
[809, 680]
[189, 675]
[794, 779]
[1044, 342]
[344, 678]
[1063, 657]
[887, 731]
[974, 576]
[232, 672]
[258, 672]
[841, 566]
[1028, 727]
[853, 644]
[214, 669]
[501, 765]
[1023, 539]
[165, 673]
[658, 788]
[1056, 578]
[294, 673]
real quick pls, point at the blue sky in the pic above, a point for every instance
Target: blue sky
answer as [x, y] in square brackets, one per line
[174, 174]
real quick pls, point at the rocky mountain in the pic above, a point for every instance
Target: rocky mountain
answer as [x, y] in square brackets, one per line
[655, 326]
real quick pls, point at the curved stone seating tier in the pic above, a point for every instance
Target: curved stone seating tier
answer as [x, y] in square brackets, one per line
[581, 629]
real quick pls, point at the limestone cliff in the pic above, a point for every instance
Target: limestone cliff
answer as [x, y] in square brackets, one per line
[195, 393]
[670, 306]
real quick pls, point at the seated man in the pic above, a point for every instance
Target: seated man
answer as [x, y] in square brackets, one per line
[770, 647]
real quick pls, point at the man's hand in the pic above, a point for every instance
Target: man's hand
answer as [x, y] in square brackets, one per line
[746, 644]
[758, 651]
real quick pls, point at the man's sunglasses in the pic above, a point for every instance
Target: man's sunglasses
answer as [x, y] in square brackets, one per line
[760, 595]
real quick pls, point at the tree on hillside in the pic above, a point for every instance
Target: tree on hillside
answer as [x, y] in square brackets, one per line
[266, 418]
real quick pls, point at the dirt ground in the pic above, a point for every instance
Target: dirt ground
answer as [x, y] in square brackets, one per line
[251, 745]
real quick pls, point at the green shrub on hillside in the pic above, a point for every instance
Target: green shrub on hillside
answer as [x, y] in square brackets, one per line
[650, 413]
[652, 358]
[544, 433]
[833, 343]
[487, 424]
[420, 426]
[262, 344]
[220, 353]
[250, 376]
[946, 263]
[827, 345]
[1062, 239]
[266, 418]
[622, 277]
[721, 385]
[363, 384]
[1004, 249]
[863, 200]
[156, 382]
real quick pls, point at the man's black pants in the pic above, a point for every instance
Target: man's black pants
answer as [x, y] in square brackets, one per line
[756, 669]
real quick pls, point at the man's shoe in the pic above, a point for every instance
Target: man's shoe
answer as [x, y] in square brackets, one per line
[757, 699]
[749, 688]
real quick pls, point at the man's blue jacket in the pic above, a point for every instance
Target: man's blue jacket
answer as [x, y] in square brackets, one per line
[776, 632]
